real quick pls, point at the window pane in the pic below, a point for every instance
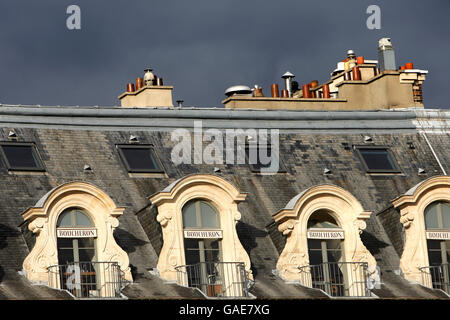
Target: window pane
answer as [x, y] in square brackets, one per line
[73, 217]
[192, 253]
[322, 219]
[209, 216]
[314, 244]
[190, 216]
[333, 255]
[65, 219]
[434, 245]
[445, 209]
[333, 250]
[431, 217]
[86, 255]
[212, 253]
[435, 258]
[86, 243]
[315, 257]
[447, 251]
[211, 244]
[65, 256]
[434, 252]
[140, 158]
[191, 244]
[66, 243]
[20, 156]
[82, 220]
[377, 159]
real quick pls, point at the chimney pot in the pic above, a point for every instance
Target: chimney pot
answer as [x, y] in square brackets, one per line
[139, 83]
[275, 90]
[326, 91]
[130, 87]
[356, 73]
[305, 90]
[409, 65]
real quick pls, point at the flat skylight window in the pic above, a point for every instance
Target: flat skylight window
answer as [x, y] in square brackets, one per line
[21, 156]
[378, 159]
[139, 158]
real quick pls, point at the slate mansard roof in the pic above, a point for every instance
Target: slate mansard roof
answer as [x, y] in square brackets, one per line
[67, 138]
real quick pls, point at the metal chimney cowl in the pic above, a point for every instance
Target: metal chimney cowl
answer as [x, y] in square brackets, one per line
[148, 77]
[288, 76]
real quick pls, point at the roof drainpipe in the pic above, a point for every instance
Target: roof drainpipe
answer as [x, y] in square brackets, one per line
[288, 81]
[434, 153]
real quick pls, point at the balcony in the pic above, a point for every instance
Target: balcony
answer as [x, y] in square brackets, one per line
[87, 279]
[436, 277]
[215, 279]
[338, 279]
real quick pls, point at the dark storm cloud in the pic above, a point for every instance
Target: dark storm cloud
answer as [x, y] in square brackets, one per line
[202, 47]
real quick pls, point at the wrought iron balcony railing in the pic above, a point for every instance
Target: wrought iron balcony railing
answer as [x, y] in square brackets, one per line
[87, 279]
[215, 279]
[338, 279]
[436, 277]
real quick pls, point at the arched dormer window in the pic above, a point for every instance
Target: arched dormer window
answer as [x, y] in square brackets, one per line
[425, 215]
[202, 246]
[74, 218]
[75, 237]
[437, 216]
[199, 214]
[201, 249]
[323, 249]
[437, 225]
[75, 249]
[78, 270]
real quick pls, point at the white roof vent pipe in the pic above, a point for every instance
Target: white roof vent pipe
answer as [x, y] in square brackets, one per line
[288, 81]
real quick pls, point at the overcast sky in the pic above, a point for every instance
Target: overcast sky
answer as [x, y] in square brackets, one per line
[202, 47]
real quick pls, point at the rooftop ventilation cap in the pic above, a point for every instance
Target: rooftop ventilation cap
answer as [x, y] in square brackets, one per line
[239, 89]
